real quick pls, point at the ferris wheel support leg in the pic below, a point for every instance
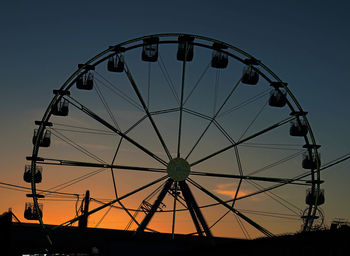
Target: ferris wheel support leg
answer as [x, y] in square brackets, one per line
[196, 213]
[190, 208]
[155, 206]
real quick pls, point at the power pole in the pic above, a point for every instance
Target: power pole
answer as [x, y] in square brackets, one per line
[83, 220]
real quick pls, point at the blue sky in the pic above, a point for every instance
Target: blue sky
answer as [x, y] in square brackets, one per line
[304, 42]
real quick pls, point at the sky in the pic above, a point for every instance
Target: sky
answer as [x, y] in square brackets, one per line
[304, 43]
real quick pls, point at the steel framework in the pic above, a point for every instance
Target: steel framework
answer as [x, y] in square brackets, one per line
[178, 165]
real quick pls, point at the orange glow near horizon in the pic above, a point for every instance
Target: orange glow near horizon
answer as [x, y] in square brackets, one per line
[57, 212]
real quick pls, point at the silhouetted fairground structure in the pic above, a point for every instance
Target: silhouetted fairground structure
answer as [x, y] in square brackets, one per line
[170, 124]
[25, 238]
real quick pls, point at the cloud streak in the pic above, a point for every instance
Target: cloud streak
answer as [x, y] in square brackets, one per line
[229, 190]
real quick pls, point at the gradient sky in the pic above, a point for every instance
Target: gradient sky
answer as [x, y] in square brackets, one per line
[306, 43]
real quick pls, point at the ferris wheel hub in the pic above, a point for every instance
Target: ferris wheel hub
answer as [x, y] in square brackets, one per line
[178, 169]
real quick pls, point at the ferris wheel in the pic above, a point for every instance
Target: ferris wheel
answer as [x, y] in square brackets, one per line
[175, 133]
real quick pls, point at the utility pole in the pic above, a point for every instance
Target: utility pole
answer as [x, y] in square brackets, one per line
[83, 220]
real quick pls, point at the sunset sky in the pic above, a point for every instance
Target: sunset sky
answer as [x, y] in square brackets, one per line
[306, 43]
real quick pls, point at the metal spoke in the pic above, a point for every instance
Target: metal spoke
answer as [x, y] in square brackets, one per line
[182, 100]
[149, 84]
[87, 111]
[143, 103]
[239, 214]
[245, 177]
[216, 90]
[51, 161]
[213, 119]
[112, 202]
[244, 140]
[263, 190]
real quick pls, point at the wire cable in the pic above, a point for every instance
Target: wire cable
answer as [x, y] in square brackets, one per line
[252, 122]
[105, 104]
[75, 145]
[245, 103]
[167, 78]
[197, 83]
[118, 91]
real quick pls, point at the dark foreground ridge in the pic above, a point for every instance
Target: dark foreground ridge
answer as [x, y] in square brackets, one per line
[26, 238]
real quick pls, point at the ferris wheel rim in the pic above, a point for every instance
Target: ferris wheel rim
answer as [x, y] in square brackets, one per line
[110, 51]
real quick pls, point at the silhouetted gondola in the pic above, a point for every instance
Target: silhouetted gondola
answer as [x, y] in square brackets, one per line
[85, 81]
[27, 176]
[219, 58]
[278, 98]
[61, 108]
[250, 75]
[30, 212]
[311, 197]
[185, 48]
[309, 162]
[45, 140]
[115, 64]
[298, 128]
[150, 49]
